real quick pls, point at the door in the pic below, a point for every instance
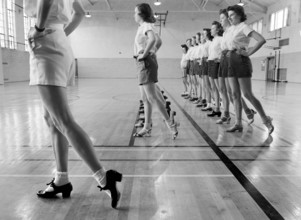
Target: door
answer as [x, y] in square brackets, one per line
[271, 66]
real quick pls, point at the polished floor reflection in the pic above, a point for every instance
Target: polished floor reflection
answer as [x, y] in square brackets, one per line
[204, 174]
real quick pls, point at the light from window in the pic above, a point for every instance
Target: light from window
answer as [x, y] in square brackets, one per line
[279, 19]
[257, 26]
[28, 23]
[11, 24]
[2, 25]
[7, 24]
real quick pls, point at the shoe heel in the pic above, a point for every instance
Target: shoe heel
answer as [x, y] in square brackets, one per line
[117, 176]
[66, 194]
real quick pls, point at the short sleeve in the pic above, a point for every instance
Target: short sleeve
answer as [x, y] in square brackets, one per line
[148, 27]
[247, 29]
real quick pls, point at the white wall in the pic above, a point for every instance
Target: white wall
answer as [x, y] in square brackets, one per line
[290, 55]
[15, 65]
[1, 69]
[104, 45]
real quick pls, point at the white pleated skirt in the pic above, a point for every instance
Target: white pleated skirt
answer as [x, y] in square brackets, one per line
[51, 59]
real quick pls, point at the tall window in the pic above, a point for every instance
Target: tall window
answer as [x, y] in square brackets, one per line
[279, 19]
[7, 24]
[257, 26]
[11, 24]
[2, 24]
[28, 23]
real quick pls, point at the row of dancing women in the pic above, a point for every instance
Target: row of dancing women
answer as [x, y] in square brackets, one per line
[216, 67]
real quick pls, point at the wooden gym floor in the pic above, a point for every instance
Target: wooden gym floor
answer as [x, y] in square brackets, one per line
[205, 173]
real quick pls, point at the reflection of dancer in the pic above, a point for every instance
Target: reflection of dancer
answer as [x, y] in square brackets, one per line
[184, 69]
[148, 70]
[51, 69]
[240, 66]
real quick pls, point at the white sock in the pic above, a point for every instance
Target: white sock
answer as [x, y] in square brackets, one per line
[147, 125]
[60, 179]
[100, 177]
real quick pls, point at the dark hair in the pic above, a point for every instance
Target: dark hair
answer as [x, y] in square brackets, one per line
[219, 28]
[146, 13]
[208, 33]
[224, 11]
[239, 10]
[194, 37]
[185, 47]
[199, 34]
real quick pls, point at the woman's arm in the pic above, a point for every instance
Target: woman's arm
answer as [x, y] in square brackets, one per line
[260, 41]
[150, 43]
[77, 17]
[43, 9]
[158, 43]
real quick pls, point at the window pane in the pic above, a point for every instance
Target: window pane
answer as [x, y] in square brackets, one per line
[279, 19]
[272, 22]
[254, 26]
[285, 17]
[260, 26]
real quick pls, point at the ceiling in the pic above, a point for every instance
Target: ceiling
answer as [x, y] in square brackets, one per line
[179, 8]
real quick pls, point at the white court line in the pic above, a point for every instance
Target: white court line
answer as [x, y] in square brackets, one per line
[152, 176]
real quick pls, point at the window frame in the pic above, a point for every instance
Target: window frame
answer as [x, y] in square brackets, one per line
[8, 35]
[282, 14]
[256, 23]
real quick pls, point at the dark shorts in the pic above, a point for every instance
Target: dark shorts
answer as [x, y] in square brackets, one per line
[191, 68]
[147, 70]
[213, 69]
[197, 69]
[239, 66]
[188, 67]
[201, 70]
[204, 66]
[223, 66]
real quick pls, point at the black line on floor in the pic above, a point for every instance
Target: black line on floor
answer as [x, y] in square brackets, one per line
[160, 160]
[261, 201]
[177, 146]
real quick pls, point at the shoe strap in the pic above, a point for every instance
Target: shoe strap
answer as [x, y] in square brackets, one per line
[51, 184]
[101, 188]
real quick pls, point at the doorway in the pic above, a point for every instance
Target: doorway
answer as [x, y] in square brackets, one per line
[270, 70]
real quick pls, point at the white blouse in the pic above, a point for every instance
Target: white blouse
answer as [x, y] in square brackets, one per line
[141, 38]
[194, 53]
[184, 61]
[60, 11]
[215, 50]
[190, 53]
[227, 38]
[239, 36]
[200, 51]
[206, 48]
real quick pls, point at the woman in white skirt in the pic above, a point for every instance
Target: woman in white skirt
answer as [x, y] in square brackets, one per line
[147, 66]
[52, 70]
